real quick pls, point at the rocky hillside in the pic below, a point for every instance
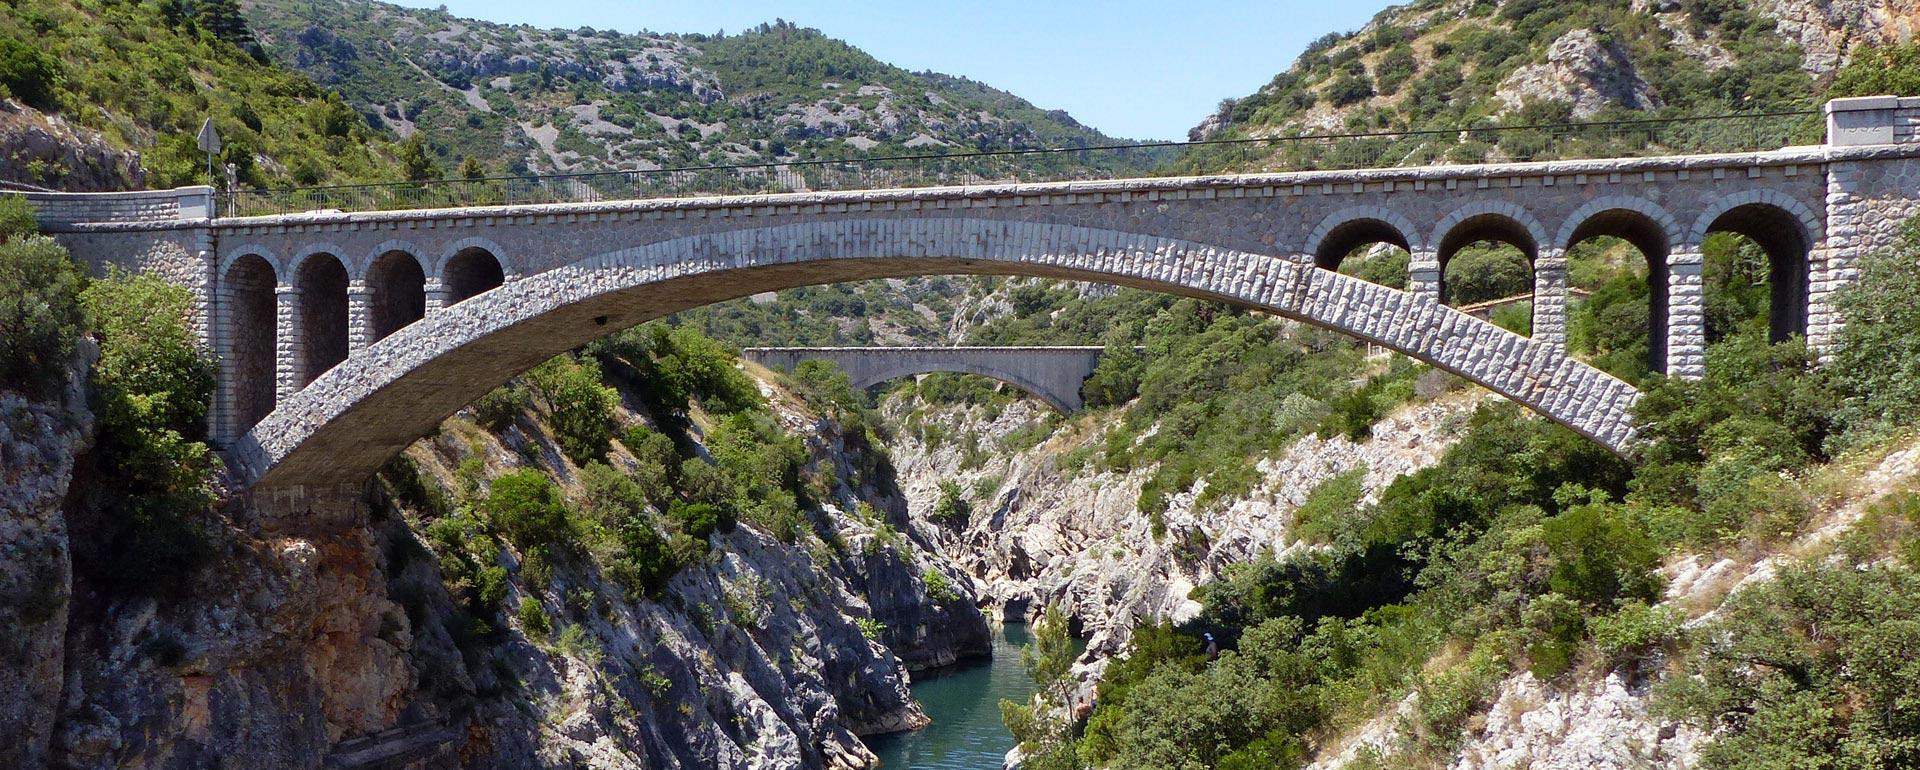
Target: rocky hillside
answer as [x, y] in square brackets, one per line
[103, 96]
[569, 574]
[1470, 62]
[586, 99]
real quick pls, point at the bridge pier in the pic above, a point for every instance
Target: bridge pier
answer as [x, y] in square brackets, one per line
[288, 350]
[437, 295]
[1550, 298]
[1686, 314]
[359, 316]
[1423, 274]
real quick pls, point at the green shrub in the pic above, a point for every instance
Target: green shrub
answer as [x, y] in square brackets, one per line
[154, 384]
[526, 507]
[582, 407]
[40, 312]
[1555, 626]
[1635, 630]
[1600, 558]
[1330, 506]
[534, 619]
[17, 217]
[30, 74]
[1813, 669]
[501, 406]
[952, 508]
[937, 587]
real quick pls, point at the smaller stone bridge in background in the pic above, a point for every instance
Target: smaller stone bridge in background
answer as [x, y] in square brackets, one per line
[1052, 374]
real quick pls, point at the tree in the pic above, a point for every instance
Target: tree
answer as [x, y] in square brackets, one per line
[40, 313]
[415, 160]
[29, 74]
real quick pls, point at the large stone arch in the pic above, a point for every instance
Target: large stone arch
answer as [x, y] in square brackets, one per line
[1060, 398]
[346, 424]
[1810, 226]
[438, 271]
[229, 256]
[1670, 227]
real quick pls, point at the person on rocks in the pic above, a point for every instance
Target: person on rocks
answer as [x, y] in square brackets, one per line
[1213, 648]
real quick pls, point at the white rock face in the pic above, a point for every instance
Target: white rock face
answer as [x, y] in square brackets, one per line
[1601, 724]
[1582, 71]
[1051, 536]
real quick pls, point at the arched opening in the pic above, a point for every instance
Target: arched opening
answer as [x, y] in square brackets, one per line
[322, 283]
[470, 272]
[1486, 270]
[1368, 249]
[1617, 293]
[399, 292]
[1756, 266]
[252, 315]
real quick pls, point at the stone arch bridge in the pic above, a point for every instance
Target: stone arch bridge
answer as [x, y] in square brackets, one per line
[346, 336]
[1052, 374]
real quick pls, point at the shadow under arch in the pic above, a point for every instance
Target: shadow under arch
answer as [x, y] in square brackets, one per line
[1783, 234]
[344, 426]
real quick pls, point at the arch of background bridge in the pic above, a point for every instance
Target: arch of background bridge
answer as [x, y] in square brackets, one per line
[342, 427]
[1061, 402]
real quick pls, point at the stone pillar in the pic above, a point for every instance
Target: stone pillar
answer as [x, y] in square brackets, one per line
[359, 316]
[437, 296]
[287, 345]
[1867, 120]
[1550, 298]
[1686, 314]
[227, 395]
[1423, 274]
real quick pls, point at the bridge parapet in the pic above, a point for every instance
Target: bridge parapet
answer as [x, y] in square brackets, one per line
[60, 212]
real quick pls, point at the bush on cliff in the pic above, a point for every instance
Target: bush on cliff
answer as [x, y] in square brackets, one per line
[40, 315]
[154, 384]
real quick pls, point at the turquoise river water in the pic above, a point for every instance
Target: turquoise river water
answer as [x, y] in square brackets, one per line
[964, 704]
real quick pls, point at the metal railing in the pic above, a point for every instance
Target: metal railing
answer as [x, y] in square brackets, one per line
[1354, 150]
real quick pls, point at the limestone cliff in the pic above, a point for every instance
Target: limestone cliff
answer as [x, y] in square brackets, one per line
[328, 632]
[1043, 533]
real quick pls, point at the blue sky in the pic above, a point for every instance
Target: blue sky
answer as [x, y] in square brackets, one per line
[1134, 69]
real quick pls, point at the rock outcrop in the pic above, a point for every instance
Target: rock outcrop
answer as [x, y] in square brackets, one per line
[330, 635]
[1049, 535]
[1583, 71]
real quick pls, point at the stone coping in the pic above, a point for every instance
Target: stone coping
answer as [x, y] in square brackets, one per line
[1307, 182]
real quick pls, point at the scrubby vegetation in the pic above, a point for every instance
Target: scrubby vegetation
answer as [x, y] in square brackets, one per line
[1529, 548]
[146, 74]
[1427, 65]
